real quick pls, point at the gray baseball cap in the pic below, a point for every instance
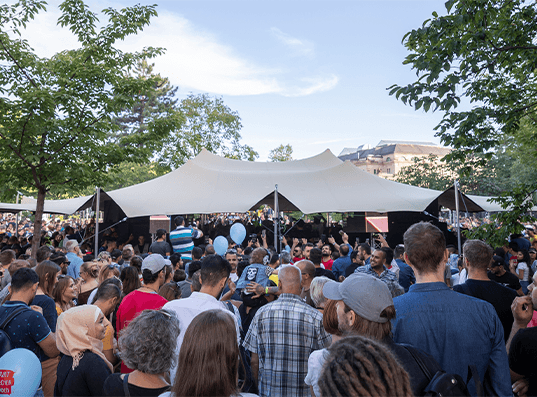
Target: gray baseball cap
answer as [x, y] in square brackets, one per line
[366, 295]
[153, 262]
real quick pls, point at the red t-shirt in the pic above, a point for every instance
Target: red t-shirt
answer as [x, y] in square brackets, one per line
[328, 264]
[132, 305]
[296, 259]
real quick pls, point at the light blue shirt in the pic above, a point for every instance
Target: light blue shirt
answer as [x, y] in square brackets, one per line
[73, 269]
[457, 330]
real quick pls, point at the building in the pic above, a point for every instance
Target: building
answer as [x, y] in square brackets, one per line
[388, 157]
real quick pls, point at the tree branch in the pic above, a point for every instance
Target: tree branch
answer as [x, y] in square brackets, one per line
[18, 65]
[73, 138]
[19, 155]
[24, 128]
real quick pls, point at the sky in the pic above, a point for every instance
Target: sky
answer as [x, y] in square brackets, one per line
[312, 74]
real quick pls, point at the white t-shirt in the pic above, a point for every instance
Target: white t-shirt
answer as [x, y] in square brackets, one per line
[523, 266]
[459, 278]
[315, 365]
[188, 308]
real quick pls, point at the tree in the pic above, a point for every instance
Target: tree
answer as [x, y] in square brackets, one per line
[281, 153]
[208, 124]
[155, 106]
[490, 179]
[129, 173]
[483, 51]
[56, 114]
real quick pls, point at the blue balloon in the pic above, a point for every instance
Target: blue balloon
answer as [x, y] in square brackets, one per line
[220, 245]
[238, 233]
[20, 373]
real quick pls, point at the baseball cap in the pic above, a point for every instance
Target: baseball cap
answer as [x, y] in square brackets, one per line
[366, 295]
[496, 261]
[154, 263]
[115, 254]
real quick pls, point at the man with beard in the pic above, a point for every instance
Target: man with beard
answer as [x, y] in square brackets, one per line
[377, 269]
[327, 257]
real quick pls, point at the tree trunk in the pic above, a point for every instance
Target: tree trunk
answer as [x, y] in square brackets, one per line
[36, 239]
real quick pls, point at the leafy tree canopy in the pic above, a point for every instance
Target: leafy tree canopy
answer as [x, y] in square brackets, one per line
[209, 124]
[56, 114]
[484, 51]
[281, 153]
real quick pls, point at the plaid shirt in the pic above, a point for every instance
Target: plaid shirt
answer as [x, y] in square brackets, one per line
[390, 278]
[283, 334]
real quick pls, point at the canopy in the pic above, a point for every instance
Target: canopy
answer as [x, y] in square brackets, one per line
[209, 183]
[323, 183]
[66, 206]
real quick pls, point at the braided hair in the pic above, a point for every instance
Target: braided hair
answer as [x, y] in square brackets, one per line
[358, 366]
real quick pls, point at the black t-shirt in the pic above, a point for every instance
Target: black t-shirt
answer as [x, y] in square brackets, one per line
[507, 280]
[49, 310]
[113, 386]
[350, 269]
[86, 379]
[319, 271]
[496, 294]
[160, 247]
[522, 356]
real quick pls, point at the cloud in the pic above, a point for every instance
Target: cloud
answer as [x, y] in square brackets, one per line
[195, 59]
[312, 85]
[301, 47]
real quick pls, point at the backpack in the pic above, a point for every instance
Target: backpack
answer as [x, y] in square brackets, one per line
[443, 384]
[5, 340]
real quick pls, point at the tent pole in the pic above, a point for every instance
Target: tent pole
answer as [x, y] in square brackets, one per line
[18, 214]
[275, 217]
[457, 220]
[97, 209]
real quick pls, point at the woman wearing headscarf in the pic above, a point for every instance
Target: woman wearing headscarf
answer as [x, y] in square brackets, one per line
[84, 367]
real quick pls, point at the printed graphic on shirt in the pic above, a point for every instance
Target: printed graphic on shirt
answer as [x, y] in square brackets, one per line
[251, 274]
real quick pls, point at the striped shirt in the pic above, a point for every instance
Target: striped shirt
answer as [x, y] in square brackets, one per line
[181, 239]
[283, 334]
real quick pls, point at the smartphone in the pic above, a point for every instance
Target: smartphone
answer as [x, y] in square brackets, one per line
[341, 232]
[264, 233]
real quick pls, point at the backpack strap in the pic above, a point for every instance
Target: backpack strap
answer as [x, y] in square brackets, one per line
[472, 373]
[418, 360]
[15, 313]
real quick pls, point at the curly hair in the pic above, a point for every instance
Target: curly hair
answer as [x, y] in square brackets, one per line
[358, 366]
[148, 343]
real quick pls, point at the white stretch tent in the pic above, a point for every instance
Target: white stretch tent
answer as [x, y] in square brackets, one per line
[323, 183]
[66, 206]
[209, 183]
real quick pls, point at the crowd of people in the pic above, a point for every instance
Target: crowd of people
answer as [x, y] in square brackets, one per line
[321, 318]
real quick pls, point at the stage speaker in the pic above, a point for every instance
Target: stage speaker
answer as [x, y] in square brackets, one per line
[159, 222]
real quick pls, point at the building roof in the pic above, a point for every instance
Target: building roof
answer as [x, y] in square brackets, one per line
[399, 148]
[392, 142]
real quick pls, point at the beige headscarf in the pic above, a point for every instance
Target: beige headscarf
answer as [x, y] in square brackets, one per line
[76, 333]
